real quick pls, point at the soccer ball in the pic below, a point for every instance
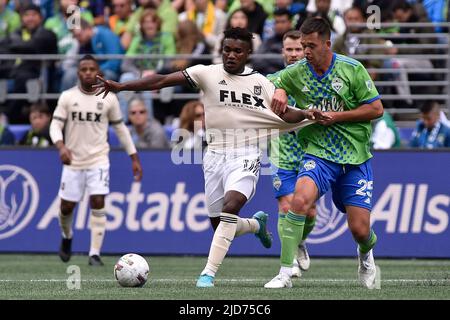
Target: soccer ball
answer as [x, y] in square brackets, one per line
[131, 270]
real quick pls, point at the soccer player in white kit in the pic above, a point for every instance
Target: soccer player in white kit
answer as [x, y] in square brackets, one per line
[84, 151]
[236, 98]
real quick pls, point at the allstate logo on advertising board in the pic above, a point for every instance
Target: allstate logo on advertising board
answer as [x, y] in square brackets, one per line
[330, 222]
[19, 198]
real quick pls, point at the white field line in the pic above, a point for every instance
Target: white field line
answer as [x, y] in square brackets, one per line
[446, 281]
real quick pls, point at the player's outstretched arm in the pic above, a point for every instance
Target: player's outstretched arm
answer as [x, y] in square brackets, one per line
[365, 112]
[153, 82]
[293, 115]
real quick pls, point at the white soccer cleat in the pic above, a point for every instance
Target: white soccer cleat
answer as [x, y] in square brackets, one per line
[303, 257]
[282, 280]
[296, 272]
[367, 270]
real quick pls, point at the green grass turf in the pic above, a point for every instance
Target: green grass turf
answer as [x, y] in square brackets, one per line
[171, 278]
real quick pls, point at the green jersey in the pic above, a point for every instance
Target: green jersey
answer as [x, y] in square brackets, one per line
[9, 22]
[285, 151]
[346, 85]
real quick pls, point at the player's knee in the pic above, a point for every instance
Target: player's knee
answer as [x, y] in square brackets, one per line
[283, 205]
[300, 204]
[97, 202]
[67, 208]
[232, 206]
[360, 231]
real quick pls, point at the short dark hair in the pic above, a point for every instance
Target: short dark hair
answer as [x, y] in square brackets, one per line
[40, 108]
[316, 24]
[239, 34]
[31, 7]
[88, 57]
[401, 5]
[429, 106]
[355, 8]
[293, 34]
[282, 12]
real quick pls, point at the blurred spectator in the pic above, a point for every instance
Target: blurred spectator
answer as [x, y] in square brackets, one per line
[430, 131]
[59, 24]
[266, 5]
[192, 121]
[32, 38]
[182, 5]
[437, 11]
[210, 21]
[9, 20]
[350, 44]
[297, 11]
[237, 19]
[339, 6]
[256, 16]
[146, 132]
[385, 133]
[406, 13]
[46, 6]
[118, 23]
[165, 12]
[97, 8]
[39, 133]
[190, 40]
[323, 9]
[6, 136]
[100, 40]
[274, 45]
[150, 41]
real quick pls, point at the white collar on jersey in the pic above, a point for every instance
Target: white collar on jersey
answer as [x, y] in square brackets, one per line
[246, 71]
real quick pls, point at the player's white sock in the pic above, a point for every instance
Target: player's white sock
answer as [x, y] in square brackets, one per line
[245, 226]
[286, 270]
[98, 226]
[221, 242]
[65, 223]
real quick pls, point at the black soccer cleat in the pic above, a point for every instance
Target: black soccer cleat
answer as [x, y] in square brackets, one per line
[95, 261]
[65, 250]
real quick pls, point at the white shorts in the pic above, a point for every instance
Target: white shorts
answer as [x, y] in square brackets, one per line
[74, 183]
[225, 171]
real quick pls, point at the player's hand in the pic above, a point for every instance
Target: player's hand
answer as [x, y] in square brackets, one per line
[279, 102]
[316, 114]
[105, 86]
[328, 119]
[137, 168]
[65, 155]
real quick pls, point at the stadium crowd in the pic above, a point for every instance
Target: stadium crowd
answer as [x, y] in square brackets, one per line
[195, 28]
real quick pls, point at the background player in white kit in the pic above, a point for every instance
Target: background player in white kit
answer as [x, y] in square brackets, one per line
[235, 98]
[84, 152]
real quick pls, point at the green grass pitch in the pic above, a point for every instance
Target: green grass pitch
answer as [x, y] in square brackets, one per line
[172, 278]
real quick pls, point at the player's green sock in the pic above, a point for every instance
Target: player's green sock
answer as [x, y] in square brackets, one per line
[366, 246]
[309, 226]
[281, 217]
[292, 234]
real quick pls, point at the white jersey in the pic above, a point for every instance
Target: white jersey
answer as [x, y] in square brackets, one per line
[237, 106]
[86, 118]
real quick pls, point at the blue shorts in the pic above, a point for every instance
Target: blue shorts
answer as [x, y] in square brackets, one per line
[351, 185]
[283, 181]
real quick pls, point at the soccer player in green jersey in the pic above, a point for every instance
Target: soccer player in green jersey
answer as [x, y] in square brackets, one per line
[285, 158]
[337, 150]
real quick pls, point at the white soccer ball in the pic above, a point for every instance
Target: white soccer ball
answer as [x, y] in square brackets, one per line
[131, 270]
